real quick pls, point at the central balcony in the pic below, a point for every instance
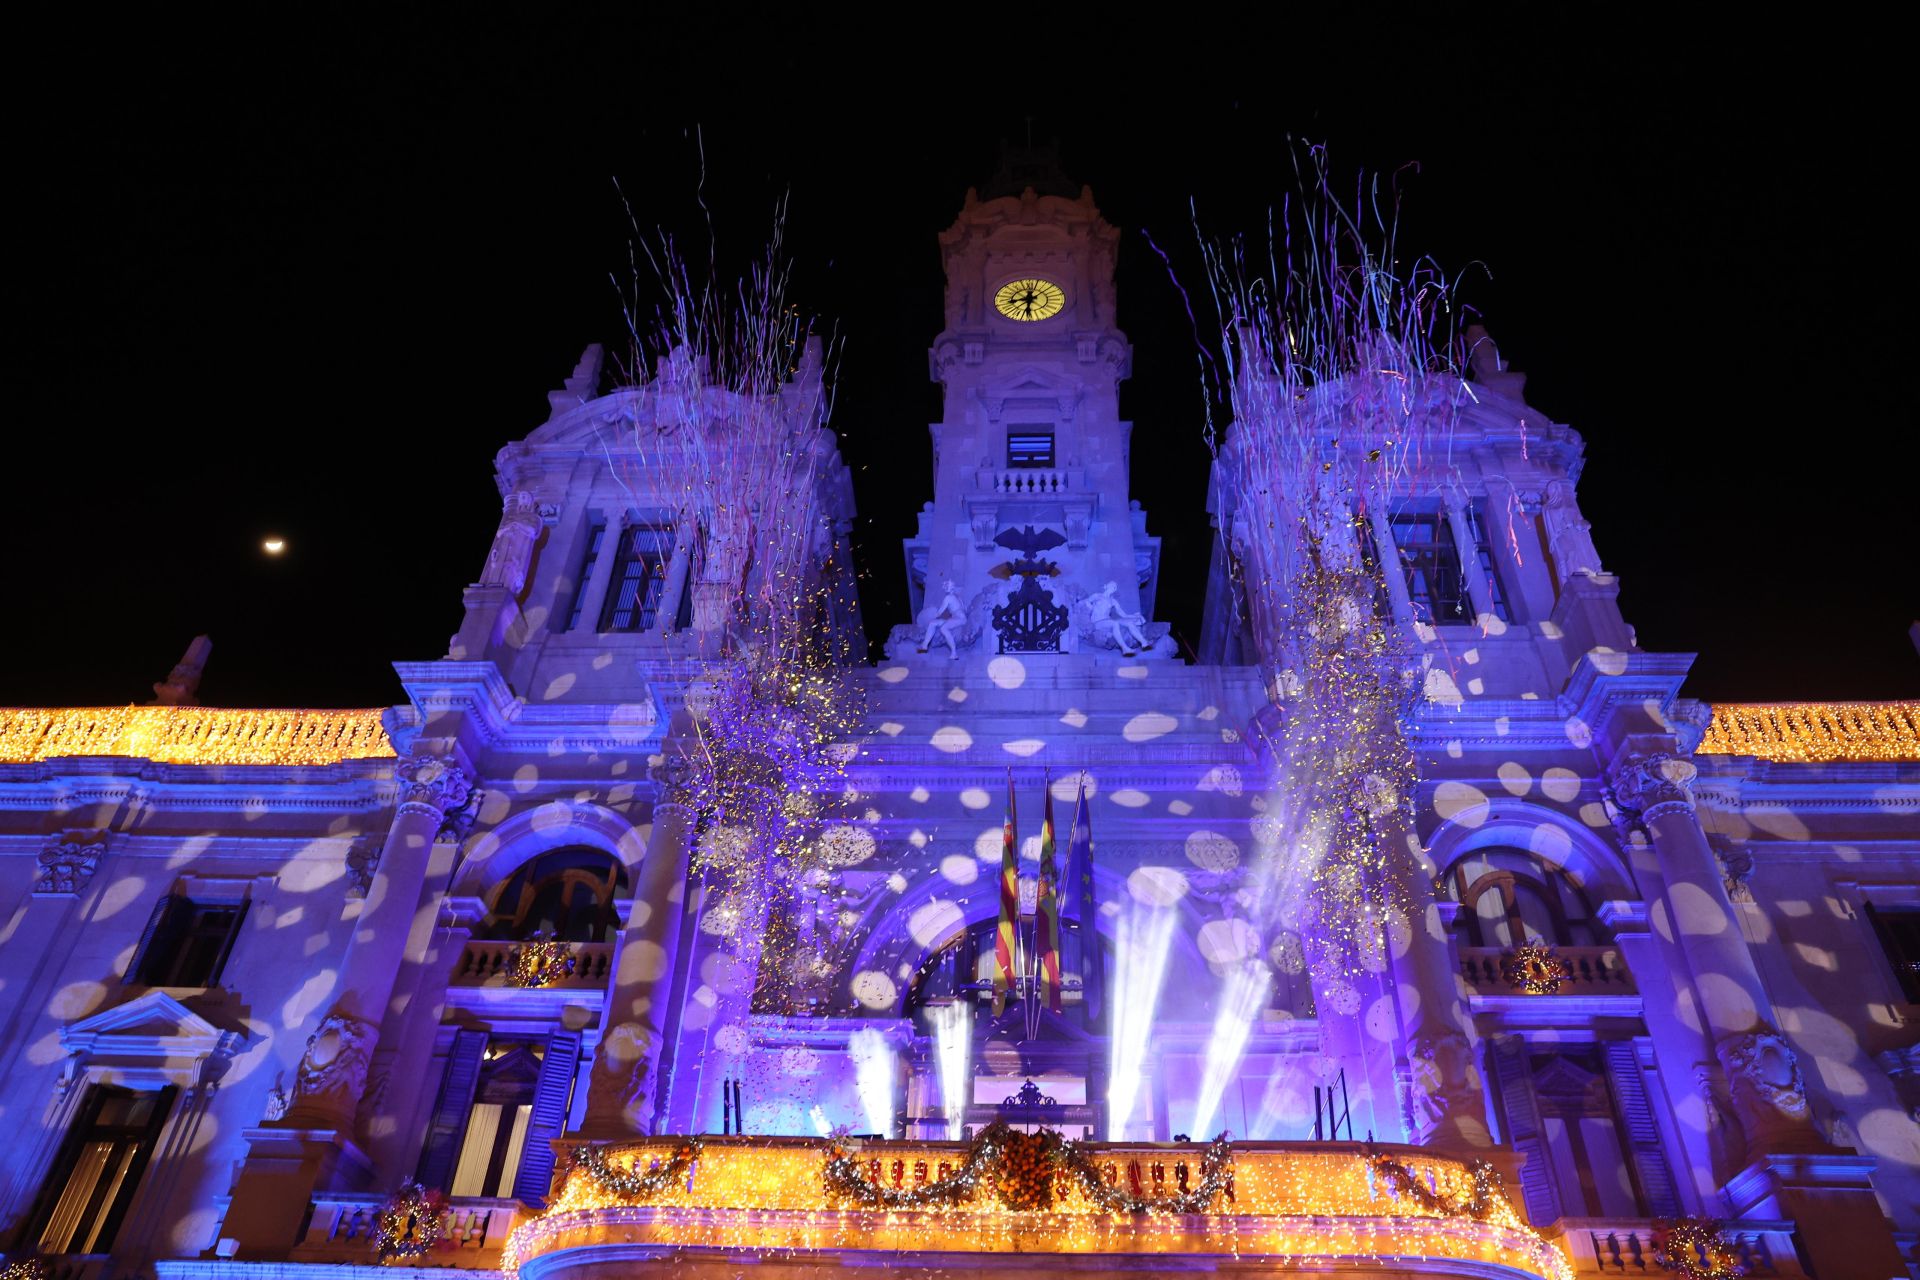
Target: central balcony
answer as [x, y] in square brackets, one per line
[566, 966]
[661, 1207]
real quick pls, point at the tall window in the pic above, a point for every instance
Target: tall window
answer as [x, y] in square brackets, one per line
[1483, 551]
[1511, 898]
[639, 578]
[595, 536]
[97, 1170]
[1029, 447]
[186, 943]
[1435, 585]
[1899, 931]
[501, 1104]
[567, 894]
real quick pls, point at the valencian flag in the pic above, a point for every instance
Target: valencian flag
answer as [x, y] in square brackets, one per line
[1005, 939]
[1046, 911]
[1081, 907]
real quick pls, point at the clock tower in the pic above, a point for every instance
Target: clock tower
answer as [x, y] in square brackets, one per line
[1031, 521]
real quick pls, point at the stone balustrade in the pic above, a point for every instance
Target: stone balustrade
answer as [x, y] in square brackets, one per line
[490, 964]
[1023, 482]
[1625, 1246]
[1591, 971]
[341, 1229]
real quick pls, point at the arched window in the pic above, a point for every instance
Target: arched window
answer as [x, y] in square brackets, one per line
[567, 894]
[963, 964]
[1509, 897]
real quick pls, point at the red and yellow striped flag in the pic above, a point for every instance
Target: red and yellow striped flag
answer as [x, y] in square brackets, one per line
[1005, 941]
[1046, 911]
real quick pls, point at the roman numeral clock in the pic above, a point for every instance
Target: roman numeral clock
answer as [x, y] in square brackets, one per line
[1029, 299]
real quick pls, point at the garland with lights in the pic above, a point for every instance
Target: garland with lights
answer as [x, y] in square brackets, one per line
[540, 962]
[636, 1184]
[411, 1223]
[1534, 969]
[1023, 1170]
[28, 1268]
[1696, 1249]
[1401, 1180]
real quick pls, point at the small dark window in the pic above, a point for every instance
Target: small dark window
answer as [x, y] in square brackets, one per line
[595, 536]
[187, 943]
[1899, 932]
[639, 578]
[1029, 448]
[1435, 586]
[97, 1170]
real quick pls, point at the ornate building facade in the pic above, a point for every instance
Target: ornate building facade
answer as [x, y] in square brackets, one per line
[261, 970]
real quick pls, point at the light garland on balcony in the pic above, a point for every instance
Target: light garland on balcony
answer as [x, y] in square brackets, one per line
[1301, 1204]
[1695, 1249]
[193, 735]
[411, 1224]
[1534, 969]
[540, 962]
[1815, 732]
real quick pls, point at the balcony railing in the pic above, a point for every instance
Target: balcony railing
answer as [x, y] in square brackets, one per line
[491, 964]
[472, 1232]
[1624, 1247]
[1030, 482]
[1591, 971]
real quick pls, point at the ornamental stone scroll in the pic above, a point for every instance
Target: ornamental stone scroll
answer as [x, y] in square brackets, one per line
[1652, 786]
[333, 1070]
[434, 782]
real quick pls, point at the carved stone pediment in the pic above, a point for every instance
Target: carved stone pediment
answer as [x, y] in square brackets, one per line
[154, 1025]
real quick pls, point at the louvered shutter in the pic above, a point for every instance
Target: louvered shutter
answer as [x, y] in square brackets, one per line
[1643, 1133]
[548, 1119]
[450, 1111]
[1524, 1130]
[226, 945]
[160, 941]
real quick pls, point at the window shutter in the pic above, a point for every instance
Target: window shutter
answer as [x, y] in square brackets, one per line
[226, 946]
[1524, 1129]
[449, 1121]
[548, 1119]
[1643, 1133]
[160, 942]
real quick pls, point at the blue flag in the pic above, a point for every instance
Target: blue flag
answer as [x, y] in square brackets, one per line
[1083, 908]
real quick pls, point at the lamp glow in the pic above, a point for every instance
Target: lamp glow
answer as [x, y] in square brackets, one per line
[873, 1078]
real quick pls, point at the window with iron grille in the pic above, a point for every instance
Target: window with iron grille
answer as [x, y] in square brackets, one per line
[1483, 549]
[1028, 447]
[1898, 929]
[186, 943]
[639, 578]
[595, 536]
[97, 1170]
[1435, 586]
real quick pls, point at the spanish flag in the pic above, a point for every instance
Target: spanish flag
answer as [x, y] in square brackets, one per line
[1006, 941]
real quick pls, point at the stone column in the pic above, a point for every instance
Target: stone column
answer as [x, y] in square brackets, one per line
[595, 598]
[333, 1073]
[1445, 1101]
[1763, 1075]
[1479, 590]
[1391, 567]
[677, 584]
[623, 1090]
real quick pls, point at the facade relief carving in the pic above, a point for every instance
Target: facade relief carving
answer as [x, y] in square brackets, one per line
[333, 1071]
[1763, 1080]
[1651, 786]
[68, 862]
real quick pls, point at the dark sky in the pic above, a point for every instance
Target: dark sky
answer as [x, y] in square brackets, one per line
[307, 281]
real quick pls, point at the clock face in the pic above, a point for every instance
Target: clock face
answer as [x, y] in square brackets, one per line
[1029, 299]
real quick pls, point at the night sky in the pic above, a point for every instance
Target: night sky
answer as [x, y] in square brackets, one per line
[306, 282]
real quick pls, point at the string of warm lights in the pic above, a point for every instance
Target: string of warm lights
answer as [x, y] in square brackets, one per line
[1695, 1249]
[1815, 732]
[411, 1223]
[193, 735]
[1534, 969]
[539, 962]
[1306, 1204]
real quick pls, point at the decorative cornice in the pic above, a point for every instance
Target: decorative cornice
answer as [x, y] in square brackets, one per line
[193, 735]
[1815, 732]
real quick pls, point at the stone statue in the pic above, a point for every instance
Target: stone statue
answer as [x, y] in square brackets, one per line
[180, 687]
[942, 618]
[1122, 627]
